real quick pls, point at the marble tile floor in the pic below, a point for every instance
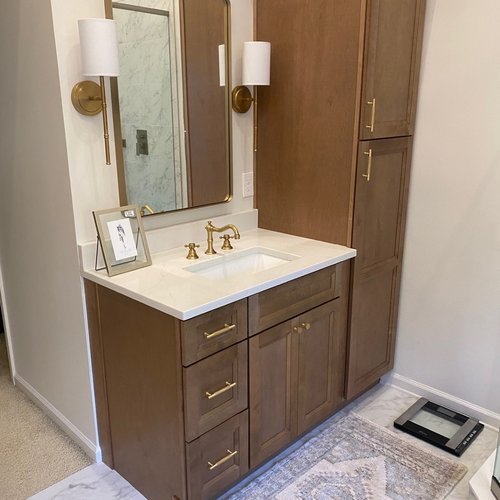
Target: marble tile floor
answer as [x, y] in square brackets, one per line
[382, 405]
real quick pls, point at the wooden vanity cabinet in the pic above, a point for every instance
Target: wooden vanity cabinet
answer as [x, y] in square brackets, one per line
[296, 377]
[186, 408]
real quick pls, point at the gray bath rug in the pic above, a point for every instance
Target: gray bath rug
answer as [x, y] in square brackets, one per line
[354, 459]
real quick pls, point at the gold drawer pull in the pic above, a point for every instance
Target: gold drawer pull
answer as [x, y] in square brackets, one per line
[229, 385]
[230, 455]
[368, 174]
[227, 328]
[373, 104]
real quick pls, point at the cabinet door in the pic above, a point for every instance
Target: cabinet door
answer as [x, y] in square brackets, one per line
[379, 215]
[273, 389]
[393, 47]
[322, 350]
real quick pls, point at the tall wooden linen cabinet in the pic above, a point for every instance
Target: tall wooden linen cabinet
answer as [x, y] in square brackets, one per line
[334, 141]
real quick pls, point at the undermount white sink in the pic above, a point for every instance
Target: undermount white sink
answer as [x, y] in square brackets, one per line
[251, 261]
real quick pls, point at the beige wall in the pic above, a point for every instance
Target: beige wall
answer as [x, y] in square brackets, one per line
[449, 324]
[38, 255]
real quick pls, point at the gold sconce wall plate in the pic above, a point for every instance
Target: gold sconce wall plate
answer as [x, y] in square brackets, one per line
[86, 98]
[241, 99]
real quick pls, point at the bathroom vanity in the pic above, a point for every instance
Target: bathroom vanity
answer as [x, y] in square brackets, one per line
[204, 371]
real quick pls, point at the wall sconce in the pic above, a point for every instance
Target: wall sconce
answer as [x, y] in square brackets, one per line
[256, 71]
[99, 50]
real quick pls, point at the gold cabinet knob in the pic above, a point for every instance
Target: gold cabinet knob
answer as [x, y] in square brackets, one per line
[192, 255]
[301, 327]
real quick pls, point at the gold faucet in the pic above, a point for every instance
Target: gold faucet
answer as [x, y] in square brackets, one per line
[210, 236]
[148, 208]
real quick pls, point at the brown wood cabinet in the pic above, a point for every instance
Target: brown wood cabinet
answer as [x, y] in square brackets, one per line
[316, 180]
[378, 234]
[296, 377]
[393, 45]
[175, 415]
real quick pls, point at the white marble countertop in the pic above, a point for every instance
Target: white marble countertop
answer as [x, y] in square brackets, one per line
[169, 287]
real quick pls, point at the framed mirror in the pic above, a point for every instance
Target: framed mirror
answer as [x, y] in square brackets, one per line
[171, 103]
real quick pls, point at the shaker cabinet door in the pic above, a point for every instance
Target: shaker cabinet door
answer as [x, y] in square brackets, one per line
[393, 44]
[322, 347]
[379, 215]
[273, 391]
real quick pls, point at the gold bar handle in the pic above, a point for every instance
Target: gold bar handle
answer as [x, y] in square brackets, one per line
[230, 455]
[306, 326]
[227, 387]
[368, 174]
[373, 104]
[227, 328]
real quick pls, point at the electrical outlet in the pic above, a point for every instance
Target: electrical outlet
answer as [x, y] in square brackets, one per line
[247, 179]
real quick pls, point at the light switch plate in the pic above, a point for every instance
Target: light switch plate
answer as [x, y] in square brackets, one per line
[247, 179]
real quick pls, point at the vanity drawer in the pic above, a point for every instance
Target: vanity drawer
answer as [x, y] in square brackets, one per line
[215, 389]
[267, 309]
[218, 458]
[213, 331]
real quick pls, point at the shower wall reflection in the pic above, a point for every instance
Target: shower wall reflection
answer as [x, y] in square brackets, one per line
[150, 103]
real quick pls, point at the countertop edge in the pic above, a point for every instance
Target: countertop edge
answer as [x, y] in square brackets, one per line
[219, 302]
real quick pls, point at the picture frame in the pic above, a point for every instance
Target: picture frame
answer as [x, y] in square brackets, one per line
[122, 239]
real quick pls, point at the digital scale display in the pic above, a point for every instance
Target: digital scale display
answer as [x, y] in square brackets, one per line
[442, 427]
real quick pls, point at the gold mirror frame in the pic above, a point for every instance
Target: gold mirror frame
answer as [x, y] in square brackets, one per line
[122, 190]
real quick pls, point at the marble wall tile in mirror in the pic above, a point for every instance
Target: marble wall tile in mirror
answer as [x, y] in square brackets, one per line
[171, 104]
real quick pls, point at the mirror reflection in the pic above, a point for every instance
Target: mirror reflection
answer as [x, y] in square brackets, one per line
[171, 103]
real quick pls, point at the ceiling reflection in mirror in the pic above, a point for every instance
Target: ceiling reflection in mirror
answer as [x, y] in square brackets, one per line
[171, 103]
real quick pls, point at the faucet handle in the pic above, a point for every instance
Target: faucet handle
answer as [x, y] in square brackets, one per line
[192, 255]
[227, 244]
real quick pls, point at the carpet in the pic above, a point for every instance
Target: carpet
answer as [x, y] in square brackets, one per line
[34, 452]
[354, 459]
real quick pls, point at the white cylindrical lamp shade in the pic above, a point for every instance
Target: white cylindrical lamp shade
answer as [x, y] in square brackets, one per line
[99, 47]
[256, 63]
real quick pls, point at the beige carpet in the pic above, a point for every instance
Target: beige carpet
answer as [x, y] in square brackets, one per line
[34, 452]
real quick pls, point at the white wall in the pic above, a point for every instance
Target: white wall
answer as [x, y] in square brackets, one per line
[93, 184]
[449, 323]
[38, 254]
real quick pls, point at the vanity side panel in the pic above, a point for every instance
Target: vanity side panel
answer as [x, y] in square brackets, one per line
[307, 122]
[98, 372]
[142, 360]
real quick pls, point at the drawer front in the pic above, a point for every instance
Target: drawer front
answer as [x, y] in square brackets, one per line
[215, 389]
[267, 309]
[218, 458]
[213, 331]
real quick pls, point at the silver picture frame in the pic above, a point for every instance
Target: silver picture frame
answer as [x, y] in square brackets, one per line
[122, 239]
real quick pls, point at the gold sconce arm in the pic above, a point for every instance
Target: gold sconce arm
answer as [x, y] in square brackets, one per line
[89, 99]
[241, 100]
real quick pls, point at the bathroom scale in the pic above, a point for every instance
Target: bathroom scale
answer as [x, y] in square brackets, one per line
[440, 426]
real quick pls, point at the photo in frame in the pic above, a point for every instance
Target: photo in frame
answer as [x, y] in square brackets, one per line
[121, 237]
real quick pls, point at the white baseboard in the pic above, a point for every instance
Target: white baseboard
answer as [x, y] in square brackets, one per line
[487, 417]
[93, 451]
